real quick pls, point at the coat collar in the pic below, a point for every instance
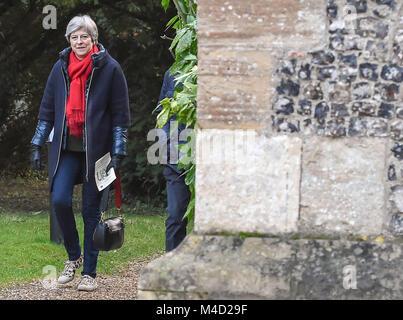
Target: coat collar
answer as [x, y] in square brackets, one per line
[98, 58]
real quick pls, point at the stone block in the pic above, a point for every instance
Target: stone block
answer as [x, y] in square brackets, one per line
[397, 151]
[372, 27]
[342, 186]
[369, 71]
[233, 89]
[237, 43]
[339, 91]
[362, 90]
[396, 225]
[386, 92]
[357, 127]
[397, 198]
[375, 50]
[224, 267]
[377, 127]
[246, 182]
[313, 91]
[297, 24]
[335, 128]
[364, 108]
[284, 106]
[393, 73]
[386, 110]
[396, 130]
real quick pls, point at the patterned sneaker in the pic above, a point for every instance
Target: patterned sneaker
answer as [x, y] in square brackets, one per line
[87, 283]
[70, 268]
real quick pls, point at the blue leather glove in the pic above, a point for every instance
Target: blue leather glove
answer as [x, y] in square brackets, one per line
[119, 139]
[42, 132]
[36, 157]
[115, 163]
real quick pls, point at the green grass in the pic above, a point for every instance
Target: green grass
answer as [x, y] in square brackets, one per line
[25, 248]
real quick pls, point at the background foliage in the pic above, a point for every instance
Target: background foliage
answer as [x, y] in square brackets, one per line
[130, 30]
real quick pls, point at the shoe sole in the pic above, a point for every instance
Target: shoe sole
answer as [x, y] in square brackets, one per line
[87, 289]
[64, 282]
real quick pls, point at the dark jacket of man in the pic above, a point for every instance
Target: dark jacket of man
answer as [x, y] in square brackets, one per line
[167, 91]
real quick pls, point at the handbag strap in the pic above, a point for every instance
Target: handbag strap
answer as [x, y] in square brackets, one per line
[103, 206]
[118, 193]
[105, 197]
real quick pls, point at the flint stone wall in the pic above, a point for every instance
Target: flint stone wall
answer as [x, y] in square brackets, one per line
[327, 74]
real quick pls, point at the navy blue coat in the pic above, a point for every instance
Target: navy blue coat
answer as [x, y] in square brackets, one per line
[167, 91]
[107, 107]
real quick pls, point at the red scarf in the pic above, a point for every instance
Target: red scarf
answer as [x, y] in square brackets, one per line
[79, 71]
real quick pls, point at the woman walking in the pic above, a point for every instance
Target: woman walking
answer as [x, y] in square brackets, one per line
[86, 102]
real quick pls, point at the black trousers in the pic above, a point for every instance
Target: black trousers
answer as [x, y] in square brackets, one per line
[178, 196]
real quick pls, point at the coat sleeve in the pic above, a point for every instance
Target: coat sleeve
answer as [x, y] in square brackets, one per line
[119, 104]
[163, 92]
[119, 100]
[47, 107]
[42, 132]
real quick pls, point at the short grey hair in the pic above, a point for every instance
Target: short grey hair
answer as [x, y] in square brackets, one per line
[85, 22]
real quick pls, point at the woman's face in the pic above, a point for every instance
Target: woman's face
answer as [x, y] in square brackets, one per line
[81, 43]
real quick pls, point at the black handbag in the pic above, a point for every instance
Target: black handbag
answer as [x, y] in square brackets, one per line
[109, 233]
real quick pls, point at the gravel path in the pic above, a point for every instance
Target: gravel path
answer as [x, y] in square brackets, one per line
[120, 286]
